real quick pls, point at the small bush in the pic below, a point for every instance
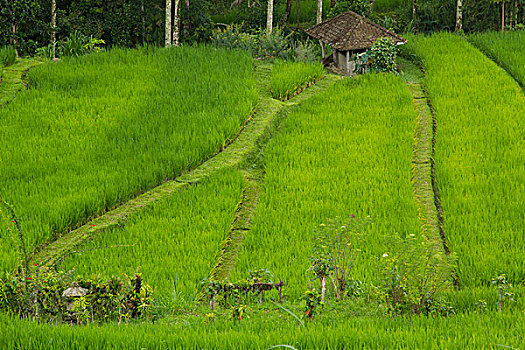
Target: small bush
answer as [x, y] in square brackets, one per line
[383, 55]
[415, 274]
[231, 37]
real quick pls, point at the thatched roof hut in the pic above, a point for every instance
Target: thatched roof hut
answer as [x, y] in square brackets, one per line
[349, 34]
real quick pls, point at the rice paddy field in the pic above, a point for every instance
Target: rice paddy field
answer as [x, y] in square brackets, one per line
[507, 49]
[480, 163]
[174, 242]
[334, 156]
[290, 78]
[95, 131]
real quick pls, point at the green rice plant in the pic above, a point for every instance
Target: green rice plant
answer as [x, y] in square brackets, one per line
[290, 78]
[346, 151]
[480, 164]
[96, 130]
[507, 49]
[173, 243]
[465, 331]
[7, 55]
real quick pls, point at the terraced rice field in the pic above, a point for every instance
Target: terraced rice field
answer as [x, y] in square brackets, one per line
[480, 162]
[335, 156]
[95, 131]
[507, 49]
[341, 148]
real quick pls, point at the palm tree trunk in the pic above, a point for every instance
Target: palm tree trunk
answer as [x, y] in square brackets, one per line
[168, 23]
[319, 14]
[54, 27]
[459, 16]
[288, 10]
[502, 16]
[269, 18]
[176, 29]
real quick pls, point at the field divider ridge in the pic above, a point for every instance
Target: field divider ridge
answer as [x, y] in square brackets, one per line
[253, 173]
[424, 181]
[13, 79]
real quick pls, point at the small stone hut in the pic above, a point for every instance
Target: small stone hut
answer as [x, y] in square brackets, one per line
[349, 34]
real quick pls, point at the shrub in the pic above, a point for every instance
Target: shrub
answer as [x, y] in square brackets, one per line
[383, 55]
[415, 273]
[232, 38]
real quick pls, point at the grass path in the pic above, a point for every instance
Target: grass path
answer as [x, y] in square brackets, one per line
[232, 155]
[12, 78]
[424, 180]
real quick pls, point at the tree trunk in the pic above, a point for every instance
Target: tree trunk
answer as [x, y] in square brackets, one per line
[333, 3]
[372, 5]
[459, 16]
[502, 16]
[143, 17]
[515, 12]
[54, 27]
[288, 10]
[319, 14]
[176, 30]
[187, 22]
[168, 23]
[269, 18]
[414, 10]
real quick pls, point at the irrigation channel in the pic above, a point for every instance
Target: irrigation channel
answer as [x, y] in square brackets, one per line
[241, 153]
[424, 180]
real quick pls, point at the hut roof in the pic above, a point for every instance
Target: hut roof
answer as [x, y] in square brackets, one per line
[350, 31]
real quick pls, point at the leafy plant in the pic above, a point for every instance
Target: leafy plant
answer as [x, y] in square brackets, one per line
[383, 55]
[415, 273]
[504, 296]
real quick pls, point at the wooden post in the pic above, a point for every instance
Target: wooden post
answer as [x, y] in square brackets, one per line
[502, 15]
[348, 63]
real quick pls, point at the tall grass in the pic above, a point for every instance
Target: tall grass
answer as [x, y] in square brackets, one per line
[480, 163]
[173, 241]
[7, 55]
[96, 130]
[465, 331]
[345, 152]
[290, 78]
[507, 49]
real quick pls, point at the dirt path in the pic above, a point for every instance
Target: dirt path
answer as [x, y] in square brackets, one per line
[231, 156]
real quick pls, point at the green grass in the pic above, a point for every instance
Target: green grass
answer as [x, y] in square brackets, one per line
[507, 49]
[7, 55]
[268, 328]
[480, 163]
[345, 151]
[290, 78]
[97, 130]
[176, 238]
